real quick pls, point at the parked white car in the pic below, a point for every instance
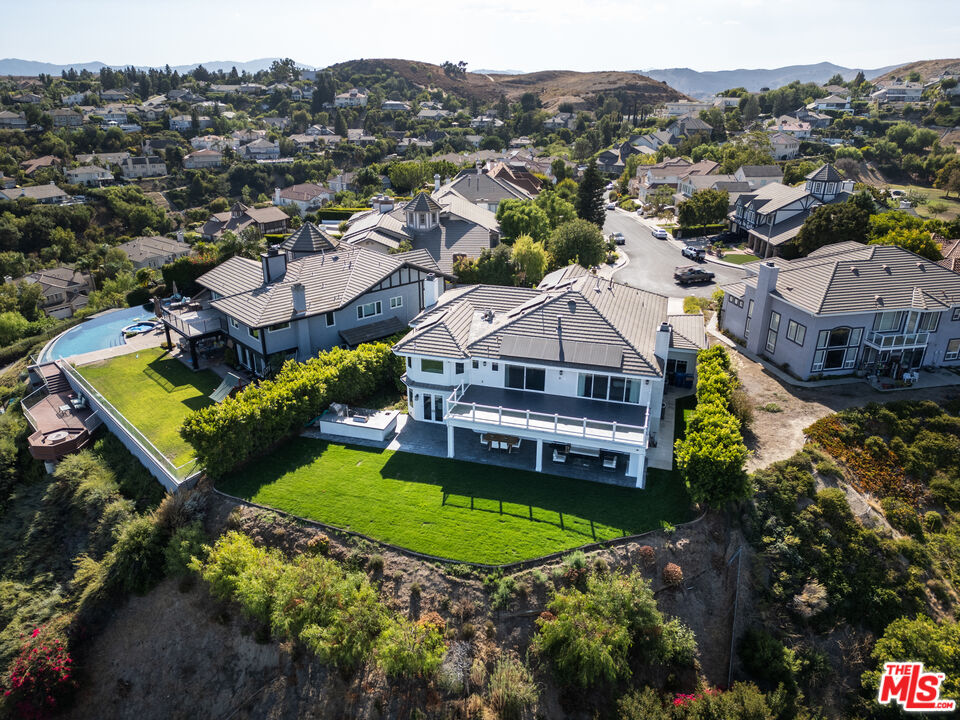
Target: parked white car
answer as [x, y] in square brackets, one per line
[611, 206]
[660, 234]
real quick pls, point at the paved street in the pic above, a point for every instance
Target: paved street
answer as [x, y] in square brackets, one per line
[652, 261]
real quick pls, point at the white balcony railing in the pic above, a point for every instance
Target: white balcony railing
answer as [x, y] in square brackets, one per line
[897, 341]
[195, 325]
[551, 423]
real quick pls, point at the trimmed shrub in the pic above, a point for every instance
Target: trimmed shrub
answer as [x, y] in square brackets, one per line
[407, 650]
[135, 563]
[672, 574]
[260, 416]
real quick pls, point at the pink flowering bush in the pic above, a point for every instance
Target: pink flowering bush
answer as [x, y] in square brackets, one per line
[41, 675]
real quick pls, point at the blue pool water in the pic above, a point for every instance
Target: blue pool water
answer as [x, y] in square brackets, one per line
[95, 334]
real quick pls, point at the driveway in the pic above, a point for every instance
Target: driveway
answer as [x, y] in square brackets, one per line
[653, 261]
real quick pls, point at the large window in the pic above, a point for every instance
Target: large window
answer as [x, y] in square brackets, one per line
[525, 378]
[796, 332]
[746, 325]
[608, 387]
[278, 327]
[396, 302]
[837, 349]
[956, 314]
[888, 321]
[772, 332]
[371, 309]
[331, 319]
[431, 366]
[254, 332]
[953, 349]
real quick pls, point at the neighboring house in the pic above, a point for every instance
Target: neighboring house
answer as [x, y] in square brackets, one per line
[839, 90]
[352, 98]
[65, 290]
[342, 182]
[759, 175]
[29, 167]
[687, 126]
[43, 194]
[203, 159]
[12, 120]
[91, 175]
[614, 161]
[446, 225]
[898, 91]
[280, 123]
[575, 367]
[670, 173]
[831, 102]
[28, 99]
[114, 95]
[214, 142]
[184, 123]
[685, 107]
[728, 183]
[266, 220]
[772, 216]
[282, 308]
[792, 126]
[433, 114]
[308, 239]
[66, 117]
[559, 121]
[395, 105]
[848, 308]
[74, 99]
[818, 121]
[320, 130]
[784, 146]
[950, 249]
[155, 251]
[141, 167]
[248, 135]
[306, 196]
[261, 150]
[516, 171]
[105, 159]
[483, 189]
[486, 121]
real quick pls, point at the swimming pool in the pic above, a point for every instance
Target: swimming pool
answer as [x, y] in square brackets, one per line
[103, 331]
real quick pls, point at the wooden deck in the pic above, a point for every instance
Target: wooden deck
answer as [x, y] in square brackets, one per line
[60, 429]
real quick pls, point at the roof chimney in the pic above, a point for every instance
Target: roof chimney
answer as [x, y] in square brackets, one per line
[274, 264]
[299, 293]
[436, 181]
[662, 344]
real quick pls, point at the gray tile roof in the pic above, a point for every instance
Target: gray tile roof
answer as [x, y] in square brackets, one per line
[309, 239]
[422, 203]
[825, 173]
[482, 186]
[331, 281]
[689, 332]
[144, 248]
[862, 278]
[562, 324]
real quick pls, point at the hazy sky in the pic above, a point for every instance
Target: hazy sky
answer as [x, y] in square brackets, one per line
[494, 34]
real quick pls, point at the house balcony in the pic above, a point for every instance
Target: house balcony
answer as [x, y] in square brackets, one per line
[554, 418]
[897, 341]
[191, 321]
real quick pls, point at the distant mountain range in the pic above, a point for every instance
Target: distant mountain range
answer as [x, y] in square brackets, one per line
[708, 83]
[16, 66]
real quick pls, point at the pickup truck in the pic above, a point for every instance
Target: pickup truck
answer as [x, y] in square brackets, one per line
[690, 274]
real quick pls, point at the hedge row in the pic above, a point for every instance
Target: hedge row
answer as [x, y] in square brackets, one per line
[260, 416]
[700, 230]
[712, 455]
[337, 213]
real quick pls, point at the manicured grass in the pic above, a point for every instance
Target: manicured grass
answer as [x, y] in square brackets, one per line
[952, 203]
[738, 259]
[451, 508]
[154, 392]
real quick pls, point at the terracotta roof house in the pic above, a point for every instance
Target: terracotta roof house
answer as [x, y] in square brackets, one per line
[575, 367]
[306, 196]
[267, 220]
[950, 249]
[29, 167]
[875, 309]
[445, 225]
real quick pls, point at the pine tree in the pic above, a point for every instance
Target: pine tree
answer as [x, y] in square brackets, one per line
[590, 195]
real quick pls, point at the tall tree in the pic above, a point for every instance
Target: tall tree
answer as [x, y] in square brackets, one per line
[590, 196]
[531, 259]
[578, 241]
[522, 217]
[830, 224]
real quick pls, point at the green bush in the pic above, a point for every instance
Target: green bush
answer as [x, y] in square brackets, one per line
[135, 563]
[247, 425]
[901, 516]
[768, 659]
[589, 635]
[186, 543]
[407, 650]
[512, 689]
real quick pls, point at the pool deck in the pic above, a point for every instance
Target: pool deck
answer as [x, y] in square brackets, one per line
[134, 344]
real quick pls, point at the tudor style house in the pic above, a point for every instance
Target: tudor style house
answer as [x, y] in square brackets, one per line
[875, 309]
[292, 304]
[772, 216]
[575, 367]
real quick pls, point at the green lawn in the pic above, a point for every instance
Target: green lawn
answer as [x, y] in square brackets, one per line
[451, 508]
[738, 258]
[952, 203]
[154, 392]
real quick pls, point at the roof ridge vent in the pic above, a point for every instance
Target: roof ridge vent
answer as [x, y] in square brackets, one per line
[854, 269]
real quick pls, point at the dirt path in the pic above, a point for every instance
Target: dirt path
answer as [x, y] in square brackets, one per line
[778, 435]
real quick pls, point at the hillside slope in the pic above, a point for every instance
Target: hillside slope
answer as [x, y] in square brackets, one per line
[552, 86]
[926, 68]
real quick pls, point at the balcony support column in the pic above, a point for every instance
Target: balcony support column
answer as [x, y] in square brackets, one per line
[450, 431]
[539, 455]
[633, 466]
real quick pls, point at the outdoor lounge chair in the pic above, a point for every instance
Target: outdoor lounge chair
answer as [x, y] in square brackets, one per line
[230, 382]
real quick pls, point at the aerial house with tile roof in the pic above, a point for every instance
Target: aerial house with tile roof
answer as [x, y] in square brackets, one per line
[846, 308]
[575, 367]
[292, 305]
